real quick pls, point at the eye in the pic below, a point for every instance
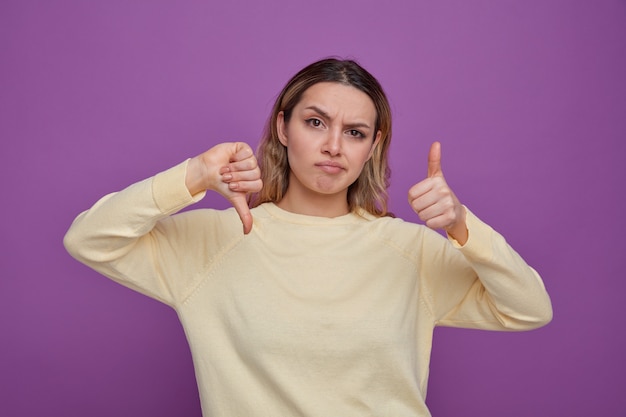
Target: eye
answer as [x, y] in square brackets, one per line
[314, 122]
[356, 134]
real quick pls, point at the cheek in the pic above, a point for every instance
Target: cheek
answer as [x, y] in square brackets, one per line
[297, 155]
[295, 149]
[363, 154]
[300, 146]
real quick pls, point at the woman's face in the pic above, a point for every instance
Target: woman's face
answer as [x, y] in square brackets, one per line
[329, 138]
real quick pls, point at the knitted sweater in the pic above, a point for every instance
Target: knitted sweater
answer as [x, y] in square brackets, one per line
[305, 316]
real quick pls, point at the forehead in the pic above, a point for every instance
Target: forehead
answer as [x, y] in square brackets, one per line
[338, 99]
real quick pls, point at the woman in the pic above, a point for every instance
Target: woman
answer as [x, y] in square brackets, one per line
[325, 304]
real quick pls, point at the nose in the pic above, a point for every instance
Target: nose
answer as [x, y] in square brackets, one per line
[332, 145]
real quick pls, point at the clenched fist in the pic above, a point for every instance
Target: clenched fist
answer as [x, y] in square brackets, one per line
[435, 203]
[230, 169]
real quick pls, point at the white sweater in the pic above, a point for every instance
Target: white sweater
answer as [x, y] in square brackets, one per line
[305, 316]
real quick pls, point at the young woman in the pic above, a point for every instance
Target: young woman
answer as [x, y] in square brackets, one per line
[325, 304]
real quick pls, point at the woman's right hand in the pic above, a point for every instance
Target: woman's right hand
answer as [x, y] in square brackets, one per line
[230, 169]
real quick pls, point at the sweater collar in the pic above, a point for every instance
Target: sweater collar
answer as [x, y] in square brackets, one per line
[351, 218]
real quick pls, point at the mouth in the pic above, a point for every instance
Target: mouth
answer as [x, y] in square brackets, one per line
[330, 167]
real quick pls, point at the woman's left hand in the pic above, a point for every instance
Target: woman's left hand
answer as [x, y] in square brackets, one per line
[435, 203]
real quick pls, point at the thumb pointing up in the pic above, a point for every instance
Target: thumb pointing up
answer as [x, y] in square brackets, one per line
[434, 161]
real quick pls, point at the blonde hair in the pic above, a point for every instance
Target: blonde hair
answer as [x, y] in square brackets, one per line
[369, 191]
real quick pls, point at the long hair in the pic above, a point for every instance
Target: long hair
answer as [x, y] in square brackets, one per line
[369, 191]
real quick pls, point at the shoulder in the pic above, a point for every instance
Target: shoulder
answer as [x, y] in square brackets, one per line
[403, 235]
[211, 221]
[392, 227]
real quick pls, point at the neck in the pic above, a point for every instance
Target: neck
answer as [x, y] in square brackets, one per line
[314, 204]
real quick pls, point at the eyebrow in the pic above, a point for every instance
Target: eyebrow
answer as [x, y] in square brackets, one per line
[327, 116]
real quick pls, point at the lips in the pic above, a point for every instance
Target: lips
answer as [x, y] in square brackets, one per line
[330, 167]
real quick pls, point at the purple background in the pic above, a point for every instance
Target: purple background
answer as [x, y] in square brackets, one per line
[527, 97]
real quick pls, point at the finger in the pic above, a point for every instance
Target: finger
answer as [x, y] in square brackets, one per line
[238, 176]
[427, 195]
[246, 186]
[241, 160]
[242, 151]
[248, 164]
[436, 208]
[434, 160]
[420, 189]
[422, 203]
[241, 207]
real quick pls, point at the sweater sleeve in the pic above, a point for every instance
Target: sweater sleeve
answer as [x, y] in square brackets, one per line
[485, 283]
[129, 236]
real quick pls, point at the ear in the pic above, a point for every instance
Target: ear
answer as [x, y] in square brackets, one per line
[281, 127]
[375, 144]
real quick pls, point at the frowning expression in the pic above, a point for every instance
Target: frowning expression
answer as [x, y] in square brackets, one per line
[329, 138]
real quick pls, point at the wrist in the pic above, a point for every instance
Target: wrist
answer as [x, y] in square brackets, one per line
[195, 176]
[458, 231]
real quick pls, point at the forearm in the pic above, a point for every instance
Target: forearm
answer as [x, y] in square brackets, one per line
[484, 283]
[130, 213]
[117, 237]
[512, 289]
